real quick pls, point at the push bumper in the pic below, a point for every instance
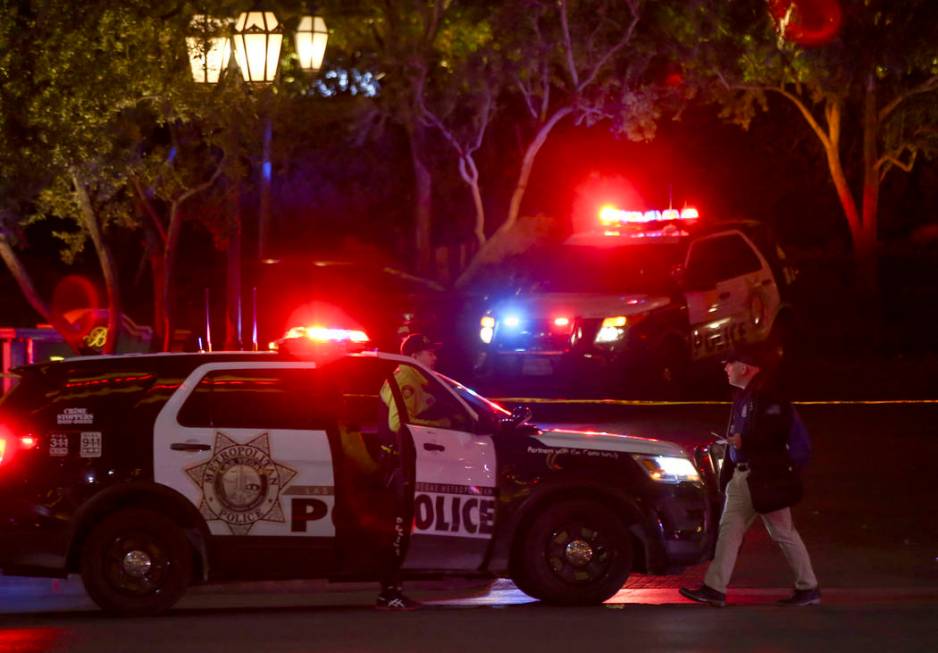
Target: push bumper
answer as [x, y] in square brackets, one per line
[678, 529]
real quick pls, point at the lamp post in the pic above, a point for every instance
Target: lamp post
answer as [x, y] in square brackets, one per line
[258, 40]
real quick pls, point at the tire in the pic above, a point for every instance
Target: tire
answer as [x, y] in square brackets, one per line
[136, 563]
[576, 552]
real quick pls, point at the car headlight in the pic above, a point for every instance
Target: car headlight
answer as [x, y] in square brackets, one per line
[668, 469]
[611, 330]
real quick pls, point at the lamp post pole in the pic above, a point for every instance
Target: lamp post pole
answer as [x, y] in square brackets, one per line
[258, 38]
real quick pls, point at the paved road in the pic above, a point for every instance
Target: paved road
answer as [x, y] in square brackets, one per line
[869, 521]
[503, 620]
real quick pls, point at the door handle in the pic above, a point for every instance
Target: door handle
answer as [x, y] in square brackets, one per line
[725, 295]
[190, 446]
[430, 446]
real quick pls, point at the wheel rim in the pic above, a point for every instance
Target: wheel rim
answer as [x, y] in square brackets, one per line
[137, 564]
[579, 554]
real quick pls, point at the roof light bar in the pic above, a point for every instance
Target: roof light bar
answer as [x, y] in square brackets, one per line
[325, 334]
[610, 216]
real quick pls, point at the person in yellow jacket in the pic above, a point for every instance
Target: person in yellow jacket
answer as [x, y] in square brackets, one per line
[418, 400]
[419, 403]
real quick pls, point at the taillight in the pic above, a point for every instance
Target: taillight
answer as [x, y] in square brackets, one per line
[10, 444]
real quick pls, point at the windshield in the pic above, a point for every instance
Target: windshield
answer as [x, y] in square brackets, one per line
[639, 269]
[477, 402]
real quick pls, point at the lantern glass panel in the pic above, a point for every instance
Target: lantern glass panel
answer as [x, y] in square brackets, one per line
[311, 38]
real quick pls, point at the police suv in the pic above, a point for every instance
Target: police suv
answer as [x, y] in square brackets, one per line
[149, 473]
[638, 300]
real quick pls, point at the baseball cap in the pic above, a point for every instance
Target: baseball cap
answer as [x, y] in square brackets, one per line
[417, 342]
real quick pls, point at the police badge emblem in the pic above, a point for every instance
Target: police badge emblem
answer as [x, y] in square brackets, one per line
[241, 483]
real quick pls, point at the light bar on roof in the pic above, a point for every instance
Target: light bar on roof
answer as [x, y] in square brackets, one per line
[324, 334]
[609, 216]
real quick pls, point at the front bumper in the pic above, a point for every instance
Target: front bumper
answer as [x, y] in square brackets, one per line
[678, 529]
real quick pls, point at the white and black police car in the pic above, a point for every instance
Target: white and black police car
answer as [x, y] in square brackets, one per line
[149, 473]
[638, 300]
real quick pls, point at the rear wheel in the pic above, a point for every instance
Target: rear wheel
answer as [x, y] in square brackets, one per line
[136, 562]
[574, 553]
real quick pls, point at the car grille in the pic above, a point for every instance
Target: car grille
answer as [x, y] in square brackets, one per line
[532, 336]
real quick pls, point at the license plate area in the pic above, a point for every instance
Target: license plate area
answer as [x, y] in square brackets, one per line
[536, 366]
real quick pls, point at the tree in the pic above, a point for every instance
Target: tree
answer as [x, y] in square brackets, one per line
[868, 95]
[570, 59]
[90, 92]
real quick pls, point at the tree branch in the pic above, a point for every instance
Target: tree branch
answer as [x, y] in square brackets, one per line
[568, 44]
[927, 86]
[148, 208]
[627, 36]
[527, 94]
[894, 159]
[805, 112]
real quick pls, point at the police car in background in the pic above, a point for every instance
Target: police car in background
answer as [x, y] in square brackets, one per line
[638, 300]
[149, 473]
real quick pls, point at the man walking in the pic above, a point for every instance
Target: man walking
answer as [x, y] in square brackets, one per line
[757, 478]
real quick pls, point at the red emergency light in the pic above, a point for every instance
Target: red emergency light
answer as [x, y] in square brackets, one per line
[10, 444]
[321, 343]
[610, 216]
[318, 333]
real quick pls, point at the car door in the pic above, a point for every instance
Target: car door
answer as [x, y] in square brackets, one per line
[454, 493]
[247, 444]
[729, 289]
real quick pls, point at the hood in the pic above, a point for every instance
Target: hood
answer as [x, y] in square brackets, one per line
[592, 305]
[608, 442]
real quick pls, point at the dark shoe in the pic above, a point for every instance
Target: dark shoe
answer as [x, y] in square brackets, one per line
[803, 597]
[705, 594]
[395, 600]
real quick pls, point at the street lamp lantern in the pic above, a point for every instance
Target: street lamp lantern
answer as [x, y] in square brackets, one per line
[258, 37]
[209, 48]
[311, 38]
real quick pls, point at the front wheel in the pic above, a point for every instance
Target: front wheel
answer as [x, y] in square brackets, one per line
[136, 562]
[574, 553]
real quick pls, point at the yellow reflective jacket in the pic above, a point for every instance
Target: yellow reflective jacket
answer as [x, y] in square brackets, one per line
[418, 400]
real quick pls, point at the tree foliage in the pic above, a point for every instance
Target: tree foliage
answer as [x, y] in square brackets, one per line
[868, 95]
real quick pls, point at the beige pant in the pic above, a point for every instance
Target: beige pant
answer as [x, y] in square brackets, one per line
[738, 515]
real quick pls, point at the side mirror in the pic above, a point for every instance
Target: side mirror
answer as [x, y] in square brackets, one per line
[519, 415]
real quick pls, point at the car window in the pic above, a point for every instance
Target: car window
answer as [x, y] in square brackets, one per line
[263, 399]
[358, 383]
[736, 257]
[426, 402]
[488, 411]
[703, 263]
[720, 258]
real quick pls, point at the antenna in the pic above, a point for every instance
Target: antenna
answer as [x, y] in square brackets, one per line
[208, 323]
[254, 318]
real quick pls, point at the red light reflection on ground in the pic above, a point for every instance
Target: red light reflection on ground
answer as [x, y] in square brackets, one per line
[29, 640]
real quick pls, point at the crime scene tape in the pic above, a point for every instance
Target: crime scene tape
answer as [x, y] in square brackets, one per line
[644, 402]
